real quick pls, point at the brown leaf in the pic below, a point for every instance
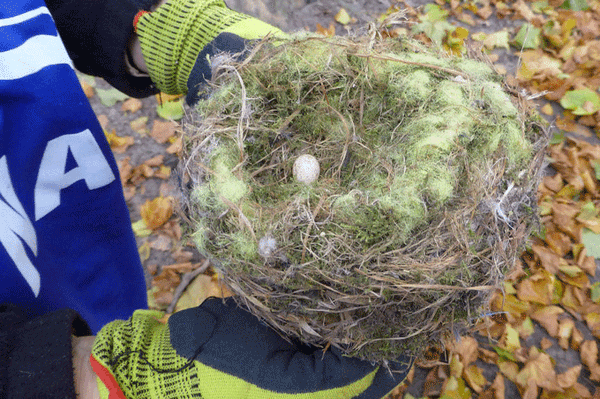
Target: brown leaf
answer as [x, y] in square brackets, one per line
[466, 347]
[163, 172]
[156, 212]
[88, 90]
[565, 329]
[329, 32]
[139, 125]
[547, 317]
[161, 131]
[577, 339]
[548, 258]
[155, 161]
[589, 357]
[569, 377]
[103, 119]
[176, 146]
[125, 169]
[537, 370]
[132, 105]
[162, 243]
[537, 288]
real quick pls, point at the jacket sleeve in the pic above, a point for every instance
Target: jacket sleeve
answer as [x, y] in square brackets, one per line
[36, 354]
[96, 34]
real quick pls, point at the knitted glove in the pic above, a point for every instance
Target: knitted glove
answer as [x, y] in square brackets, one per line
[180, 37]
[219, 350]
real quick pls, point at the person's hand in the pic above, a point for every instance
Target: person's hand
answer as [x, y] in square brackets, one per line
[180, 38]
[220, 350]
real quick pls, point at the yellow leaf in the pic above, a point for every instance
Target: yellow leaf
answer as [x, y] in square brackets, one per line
[509, 369]
[474, 377]
[455, 388]
[140, 229]
[547, 109]
[157, 212]
[342, 17]
[117, 143]
[144, 251]
[456, 366]
[511, 340]
[526, 328]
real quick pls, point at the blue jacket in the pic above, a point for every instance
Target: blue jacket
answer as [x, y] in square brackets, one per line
[65, 231]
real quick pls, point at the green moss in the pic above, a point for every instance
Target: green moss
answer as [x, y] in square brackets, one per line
[243, 246]
[498, 99]
[225, 184]
[475, 70]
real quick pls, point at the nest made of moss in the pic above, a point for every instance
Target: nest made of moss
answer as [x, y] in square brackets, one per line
[425, 197]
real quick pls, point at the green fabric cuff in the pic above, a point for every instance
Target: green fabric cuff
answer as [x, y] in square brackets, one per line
[174, 34]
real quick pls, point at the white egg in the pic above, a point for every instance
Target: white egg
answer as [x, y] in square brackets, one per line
[306, 169]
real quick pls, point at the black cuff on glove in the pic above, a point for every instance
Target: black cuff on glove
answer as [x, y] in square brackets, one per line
[202, 70]
[226, 337]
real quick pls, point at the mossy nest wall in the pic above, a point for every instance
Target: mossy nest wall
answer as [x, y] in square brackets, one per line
[426, 192]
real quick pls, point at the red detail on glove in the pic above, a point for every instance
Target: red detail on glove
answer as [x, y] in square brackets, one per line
[137, 18]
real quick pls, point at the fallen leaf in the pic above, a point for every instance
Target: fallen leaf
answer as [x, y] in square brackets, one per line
[528, 37]
[111, 96]
[156, 212]
[538, 288]
[132, 105]
[329, 32]
[565, 329]
[139, 125]
[473, 375]
[140, 229]
[162, 243]
[591, 241]
[155, 161]
[547, 317]
[510, 339]
[88, 90]
[537, 370]
[144, 252]
[342, 17]
[595, 292]
[581, 102]
[589, 357]
[455, 388]
[118, 144]
[162, 130]
[569, 377]
[176, 146]
[171, 110]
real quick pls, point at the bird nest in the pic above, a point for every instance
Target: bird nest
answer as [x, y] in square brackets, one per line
[425, 196]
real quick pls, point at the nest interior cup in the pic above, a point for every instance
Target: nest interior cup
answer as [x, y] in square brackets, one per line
[429, 167]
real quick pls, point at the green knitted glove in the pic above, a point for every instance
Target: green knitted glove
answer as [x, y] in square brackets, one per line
[180, 37]
[220, 351]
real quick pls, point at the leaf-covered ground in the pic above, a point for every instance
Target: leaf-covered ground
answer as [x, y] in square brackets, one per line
[542, 336]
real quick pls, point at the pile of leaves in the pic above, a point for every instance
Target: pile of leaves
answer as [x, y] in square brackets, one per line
[426, 195]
